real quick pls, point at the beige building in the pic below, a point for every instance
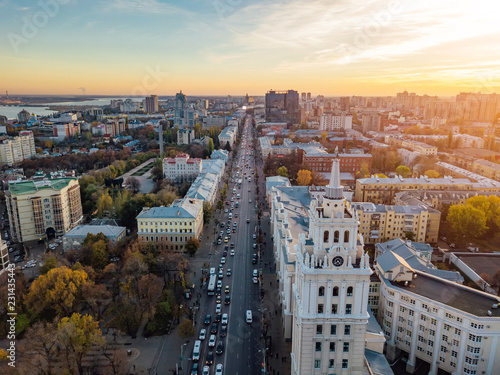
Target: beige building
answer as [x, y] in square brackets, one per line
[420, 147]
[380, 223]
[382, 190]
[45, 207]
[171, 227]
[16, 149]
[4, 256]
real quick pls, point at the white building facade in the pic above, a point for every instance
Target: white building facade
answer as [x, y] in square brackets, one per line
[181, 168]
[332, 122]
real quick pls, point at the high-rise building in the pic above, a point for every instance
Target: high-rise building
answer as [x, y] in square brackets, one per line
[371, 123]
[180, 104]
[45, 207]
[331, 122]
[308, 96]
[303, 97]
[151, 104]
[282, 106]
[4, 256]
[16, 149]
[330, 293]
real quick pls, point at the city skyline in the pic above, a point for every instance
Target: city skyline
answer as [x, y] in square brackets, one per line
[62, 47]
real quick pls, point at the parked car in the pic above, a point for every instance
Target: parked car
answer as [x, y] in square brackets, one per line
[203, 334]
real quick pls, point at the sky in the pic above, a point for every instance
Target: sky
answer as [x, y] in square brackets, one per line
[233, 47]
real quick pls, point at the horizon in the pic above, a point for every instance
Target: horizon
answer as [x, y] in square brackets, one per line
[220, 47]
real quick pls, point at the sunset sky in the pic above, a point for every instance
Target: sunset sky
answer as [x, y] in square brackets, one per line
[219, 47]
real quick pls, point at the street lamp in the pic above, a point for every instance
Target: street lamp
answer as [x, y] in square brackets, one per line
[182, 361]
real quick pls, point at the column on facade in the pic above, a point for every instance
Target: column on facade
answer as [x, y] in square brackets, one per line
[463, 346]
[359, 295]
[492, 353]
[329, 291]
[414, 335]
[343, 292]
[437, 346]
[395, 322]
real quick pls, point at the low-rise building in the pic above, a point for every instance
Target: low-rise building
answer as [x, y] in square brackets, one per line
[185, 136]
[170, 228]
[228, 136]
[76, 236]
[181, 168]
[420, 147]
[220, 154]
[379, 223]
[45, 207]
[322, 162]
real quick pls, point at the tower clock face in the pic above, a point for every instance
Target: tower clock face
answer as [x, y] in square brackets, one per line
[338, 261]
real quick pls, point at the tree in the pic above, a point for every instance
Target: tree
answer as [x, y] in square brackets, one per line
[404, 171]
[95, 297]
[210, 146]
[450, 139]
[304, 177]
[77, 335]
[380, 175]
[57, 292]
[317, 179]
[467, 221]
[364, 172]
[133, 184]
[431, 173]
[220, 205]
[40, 340]
[490, 206]
[192, 246]
[186, 329]
[104, 204]
[49, 263]
[100, 255]
[207, 212]
[282, 171]
[227, 147]
[324, 135]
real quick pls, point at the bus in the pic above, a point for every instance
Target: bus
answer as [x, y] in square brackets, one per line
[196, 350]
[211, 285]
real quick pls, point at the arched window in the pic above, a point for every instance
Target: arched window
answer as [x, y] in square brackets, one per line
[349, 291]
[321, 291]
[335, 291]
[326, 236]
[336, 236]
[346, 236]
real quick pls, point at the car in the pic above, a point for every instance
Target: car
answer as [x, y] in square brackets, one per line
[211, 341]
[249, 201]
[218, 291]
[205, 371]
[221, 233]
[218, 298]
[232, 253]
[254, 261]
[226, 240]
[232, 245]
[255, 273]
[220, 348]
[228, 231]
[203, 334]
[234, 230]
[18, 259]
[223, 331]
[228, 273]
[208, 319]
[194, 370]
[255, 280]
[254, 245]
[224, 253]
[218, 317]
[214, 328]
[219, 241]
[210, 358]
[227, 289]
[222, 225]
[218, 369]
[218, 308]
[11, 250]
[223, 260]
[219, 283]
[221, 274]
[248, 221]
[254, 236]
[227, 300]
[225, 318]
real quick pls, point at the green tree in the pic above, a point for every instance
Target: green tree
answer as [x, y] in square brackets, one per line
[186, 329]
[100, 255]
[192, 246]
[282, 171]
[227, 147]
[210, 145]
[49, 263]
[220, 205]
[490, 206]
[467, 221]
[404, 171]
[207, 212]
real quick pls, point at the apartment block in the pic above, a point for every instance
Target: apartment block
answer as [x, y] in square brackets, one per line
[330, 122]
[43, 208]
[181, 168]
[16, 149]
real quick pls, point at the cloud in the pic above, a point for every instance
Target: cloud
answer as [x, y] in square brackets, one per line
[146, 6]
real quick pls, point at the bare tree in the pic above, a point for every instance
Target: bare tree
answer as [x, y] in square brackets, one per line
[133, 184]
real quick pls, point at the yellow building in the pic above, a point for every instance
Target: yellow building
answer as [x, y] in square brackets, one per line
[169, 228]
[382, 190]
[380, 223]
[46, 207]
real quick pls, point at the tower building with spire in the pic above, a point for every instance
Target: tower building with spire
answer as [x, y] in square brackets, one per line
[324, 278]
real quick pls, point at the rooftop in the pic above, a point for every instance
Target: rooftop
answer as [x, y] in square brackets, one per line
[83, 230]
[31, 187]
[451, 294]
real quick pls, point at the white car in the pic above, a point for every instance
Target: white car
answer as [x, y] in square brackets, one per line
[203, 334]
[255, 280]
[232, 252]
[218, 369]
[206, 370]
[218, 308]
[223, 260]
[254, 236]
[249, 201]
[211, 341]
[225, 319]
[219, 283]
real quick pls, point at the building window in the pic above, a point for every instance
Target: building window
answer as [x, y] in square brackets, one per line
[348, 308]
[345, 363]
[317, 363]
[333, 331]
[319, 329]
[321, 291]
[335, 291]
[347, 330]
[318, 347]
[326, 236]
[332, 346]
[320, 308]
[349, 291]
[334, 308]
[336, 236]
[346, 236]
[331, 363]
[346, 347]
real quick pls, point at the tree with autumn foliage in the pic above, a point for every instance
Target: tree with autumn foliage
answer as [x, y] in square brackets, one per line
[304, 177]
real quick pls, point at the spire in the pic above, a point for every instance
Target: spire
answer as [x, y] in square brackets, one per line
[334, 189]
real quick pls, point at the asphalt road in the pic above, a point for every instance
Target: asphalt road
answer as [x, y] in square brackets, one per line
[242, 345]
